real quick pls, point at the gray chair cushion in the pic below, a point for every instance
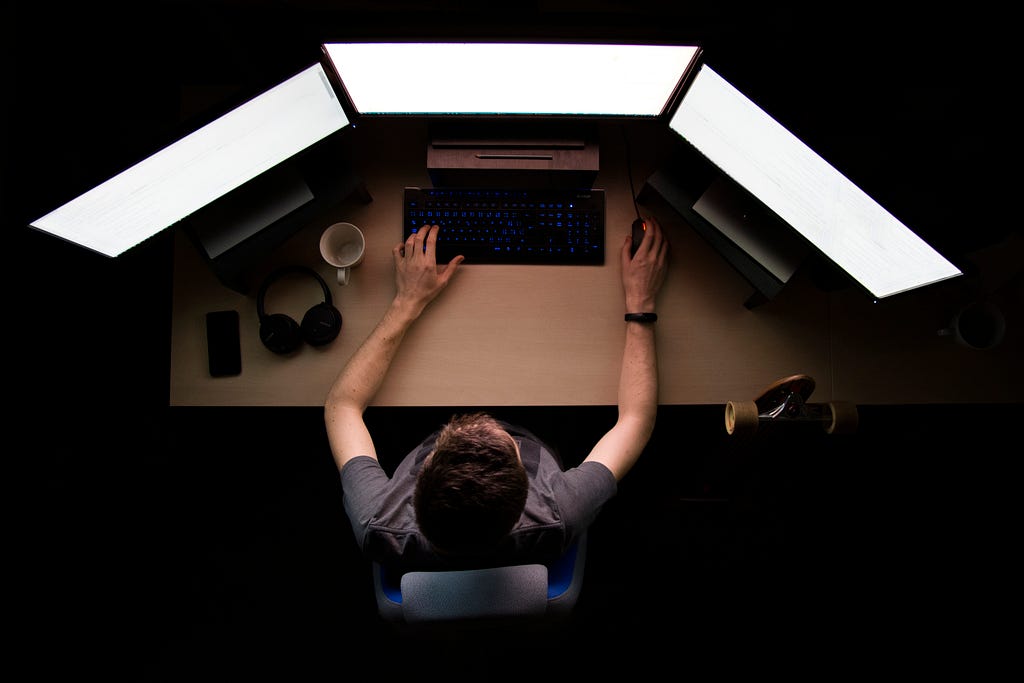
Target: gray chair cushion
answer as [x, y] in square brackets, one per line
[496, 592]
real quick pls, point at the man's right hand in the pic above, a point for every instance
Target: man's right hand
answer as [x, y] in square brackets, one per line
[644, 273]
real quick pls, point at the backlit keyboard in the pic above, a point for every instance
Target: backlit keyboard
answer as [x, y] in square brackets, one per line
[520, 226]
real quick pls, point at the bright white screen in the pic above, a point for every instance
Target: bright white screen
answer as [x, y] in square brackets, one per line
[201, 167]
[510, 78]
[803, 189]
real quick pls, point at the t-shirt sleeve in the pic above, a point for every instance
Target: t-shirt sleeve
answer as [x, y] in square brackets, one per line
[363, 482]
[584, 491]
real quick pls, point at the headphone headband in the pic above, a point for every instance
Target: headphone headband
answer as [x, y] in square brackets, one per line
[282, 272]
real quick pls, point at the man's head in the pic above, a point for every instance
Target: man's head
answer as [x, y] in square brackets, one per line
[472, 488]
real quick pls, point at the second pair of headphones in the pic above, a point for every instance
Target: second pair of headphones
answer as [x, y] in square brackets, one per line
[281, 334]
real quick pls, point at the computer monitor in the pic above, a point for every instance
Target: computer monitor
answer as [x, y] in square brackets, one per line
[511, 114]
[211, 165]
[510, 79]
[831, 213]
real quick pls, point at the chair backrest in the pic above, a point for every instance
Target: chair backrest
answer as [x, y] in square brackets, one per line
[516, 592]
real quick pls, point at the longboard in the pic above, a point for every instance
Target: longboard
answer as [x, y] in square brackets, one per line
[787, 400]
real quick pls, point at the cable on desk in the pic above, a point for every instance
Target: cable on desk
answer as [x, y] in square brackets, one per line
[629, 170]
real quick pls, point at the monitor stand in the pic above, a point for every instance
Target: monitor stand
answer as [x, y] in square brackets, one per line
[238, 231]
[259, 203]
[513, 154]
[758, 244]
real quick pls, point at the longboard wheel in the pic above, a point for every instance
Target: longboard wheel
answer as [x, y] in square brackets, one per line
[741, 417]
[844, 418]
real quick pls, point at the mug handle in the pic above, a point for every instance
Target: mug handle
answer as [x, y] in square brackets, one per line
[343, 275]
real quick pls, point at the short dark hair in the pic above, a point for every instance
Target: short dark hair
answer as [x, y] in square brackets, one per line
[472, 490]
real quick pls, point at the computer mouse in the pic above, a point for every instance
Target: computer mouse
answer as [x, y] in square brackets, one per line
[638, 235]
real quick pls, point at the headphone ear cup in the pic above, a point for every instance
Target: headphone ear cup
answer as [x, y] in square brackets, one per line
[280, 333]
[321, 324]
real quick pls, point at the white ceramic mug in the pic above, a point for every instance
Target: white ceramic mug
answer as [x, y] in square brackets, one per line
[342, 245]
[978, 325]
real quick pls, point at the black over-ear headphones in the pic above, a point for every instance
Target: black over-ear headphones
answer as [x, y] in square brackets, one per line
[281, 334]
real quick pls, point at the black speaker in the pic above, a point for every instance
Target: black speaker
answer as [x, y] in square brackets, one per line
[281, 334]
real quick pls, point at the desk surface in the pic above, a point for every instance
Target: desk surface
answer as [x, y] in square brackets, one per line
[552, 335]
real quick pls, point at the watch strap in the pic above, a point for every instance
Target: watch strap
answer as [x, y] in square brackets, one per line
[641, 317]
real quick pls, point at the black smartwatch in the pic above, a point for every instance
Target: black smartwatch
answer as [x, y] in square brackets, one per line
[641, 317]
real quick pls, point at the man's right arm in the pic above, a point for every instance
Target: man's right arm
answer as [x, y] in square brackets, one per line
[642, 277]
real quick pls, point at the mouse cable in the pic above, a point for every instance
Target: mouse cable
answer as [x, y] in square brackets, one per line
[629, 169]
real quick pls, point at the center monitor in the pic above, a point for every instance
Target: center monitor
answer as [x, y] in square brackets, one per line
[511, 79]
[511, 114]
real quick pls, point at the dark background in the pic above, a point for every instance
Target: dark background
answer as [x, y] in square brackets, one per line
[178, 544]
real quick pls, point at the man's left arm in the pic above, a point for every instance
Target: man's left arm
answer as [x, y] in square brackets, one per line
[419, 281]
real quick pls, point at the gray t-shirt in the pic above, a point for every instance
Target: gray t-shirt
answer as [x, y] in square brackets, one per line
[559, 508]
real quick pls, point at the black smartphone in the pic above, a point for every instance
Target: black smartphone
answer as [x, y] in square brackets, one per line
[223, 343]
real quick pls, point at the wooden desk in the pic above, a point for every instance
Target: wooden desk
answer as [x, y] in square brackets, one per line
[552, 335]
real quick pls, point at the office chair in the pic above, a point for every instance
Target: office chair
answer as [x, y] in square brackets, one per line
[521, 593]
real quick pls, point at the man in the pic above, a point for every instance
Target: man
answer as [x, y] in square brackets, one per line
[481, 492]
